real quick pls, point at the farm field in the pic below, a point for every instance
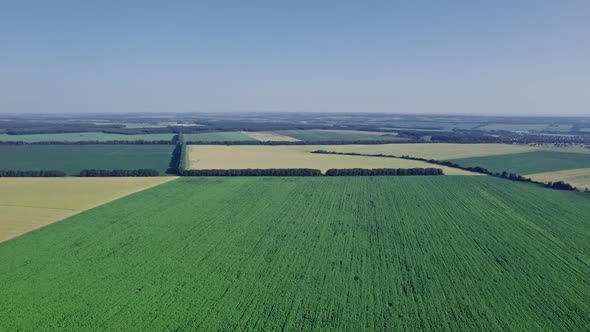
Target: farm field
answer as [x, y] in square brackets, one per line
[579, 178]
[218, 137]
[516, 126]
[256, 156]
[345, 131]
[571, 149]
[30, 203]
[439, 151]
[341, 254]
[413, 129]
[560, 127]
[529, 162]
[75, 137]
[266, 136]
[131, 125]
[338, 135]
[73, 158]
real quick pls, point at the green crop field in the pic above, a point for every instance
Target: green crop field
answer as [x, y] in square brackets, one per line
[516, 126]
[75, 137]
[73, 158]
[529, 162]
[337, 135]
[30, 203]
[340, 254]
[218, 137]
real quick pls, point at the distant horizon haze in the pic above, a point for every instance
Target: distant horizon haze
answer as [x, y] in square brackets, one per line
[168, 113]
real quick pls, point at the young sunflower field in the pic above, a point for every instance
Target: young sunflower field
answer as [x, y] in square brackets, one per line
[341, 254]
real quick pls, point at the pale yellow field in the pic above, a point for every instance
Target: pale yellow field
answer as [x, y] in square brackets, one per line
[252, 156]
[30, 203]
[579, 178]
[438, 151]
[267, 136]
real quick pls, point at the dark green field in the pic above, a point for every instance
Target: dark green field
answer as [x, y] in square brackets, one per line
[529, 162]
[331, 136]
[73, 158]
[341, 254]
[76, 137]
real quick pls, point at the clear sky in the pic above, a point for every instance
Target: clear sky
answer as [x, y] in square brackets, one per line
[475, 57]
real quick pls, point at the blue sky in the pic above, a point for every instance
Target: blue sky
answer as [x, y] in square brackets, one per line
[473, 57]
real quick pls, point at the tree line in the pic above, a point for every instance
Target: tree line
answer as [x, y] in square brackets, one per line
[355, 142]
[118, 173]
[383, 171]
[314, 172]
[178, 160]
[83, 173]
[137, 142]
[559, 185]
[175, 165]
[463, 137]
[171, 142]
[31, 174]
[253, 172]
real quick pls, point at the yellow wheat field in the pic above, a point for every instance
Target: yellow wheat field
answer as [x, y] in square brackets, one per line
[264, 157]
[30, 203]
[579, 178]
[438, 151]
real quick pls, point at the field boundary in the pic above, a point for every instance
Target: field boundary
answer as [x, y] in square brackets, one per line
[559, 185]
[310, 142]
[269, 136]
[136, 142]
[315, 172]
[579, 177]
[78, 211]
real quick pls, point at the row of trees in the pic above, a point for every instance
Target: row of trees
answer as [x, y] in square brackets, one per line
[171, 142]
[140, 142]
[178, 160]
[561, 185]
[451, 137]
[523, 139]
[475, 136]
[118, 172]
[313, 172]
[384, 171]
[580, 138]
[32, 128]
[356, 142]
[253, 172]
[83, 173]
[32, 174]
[175, 166]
